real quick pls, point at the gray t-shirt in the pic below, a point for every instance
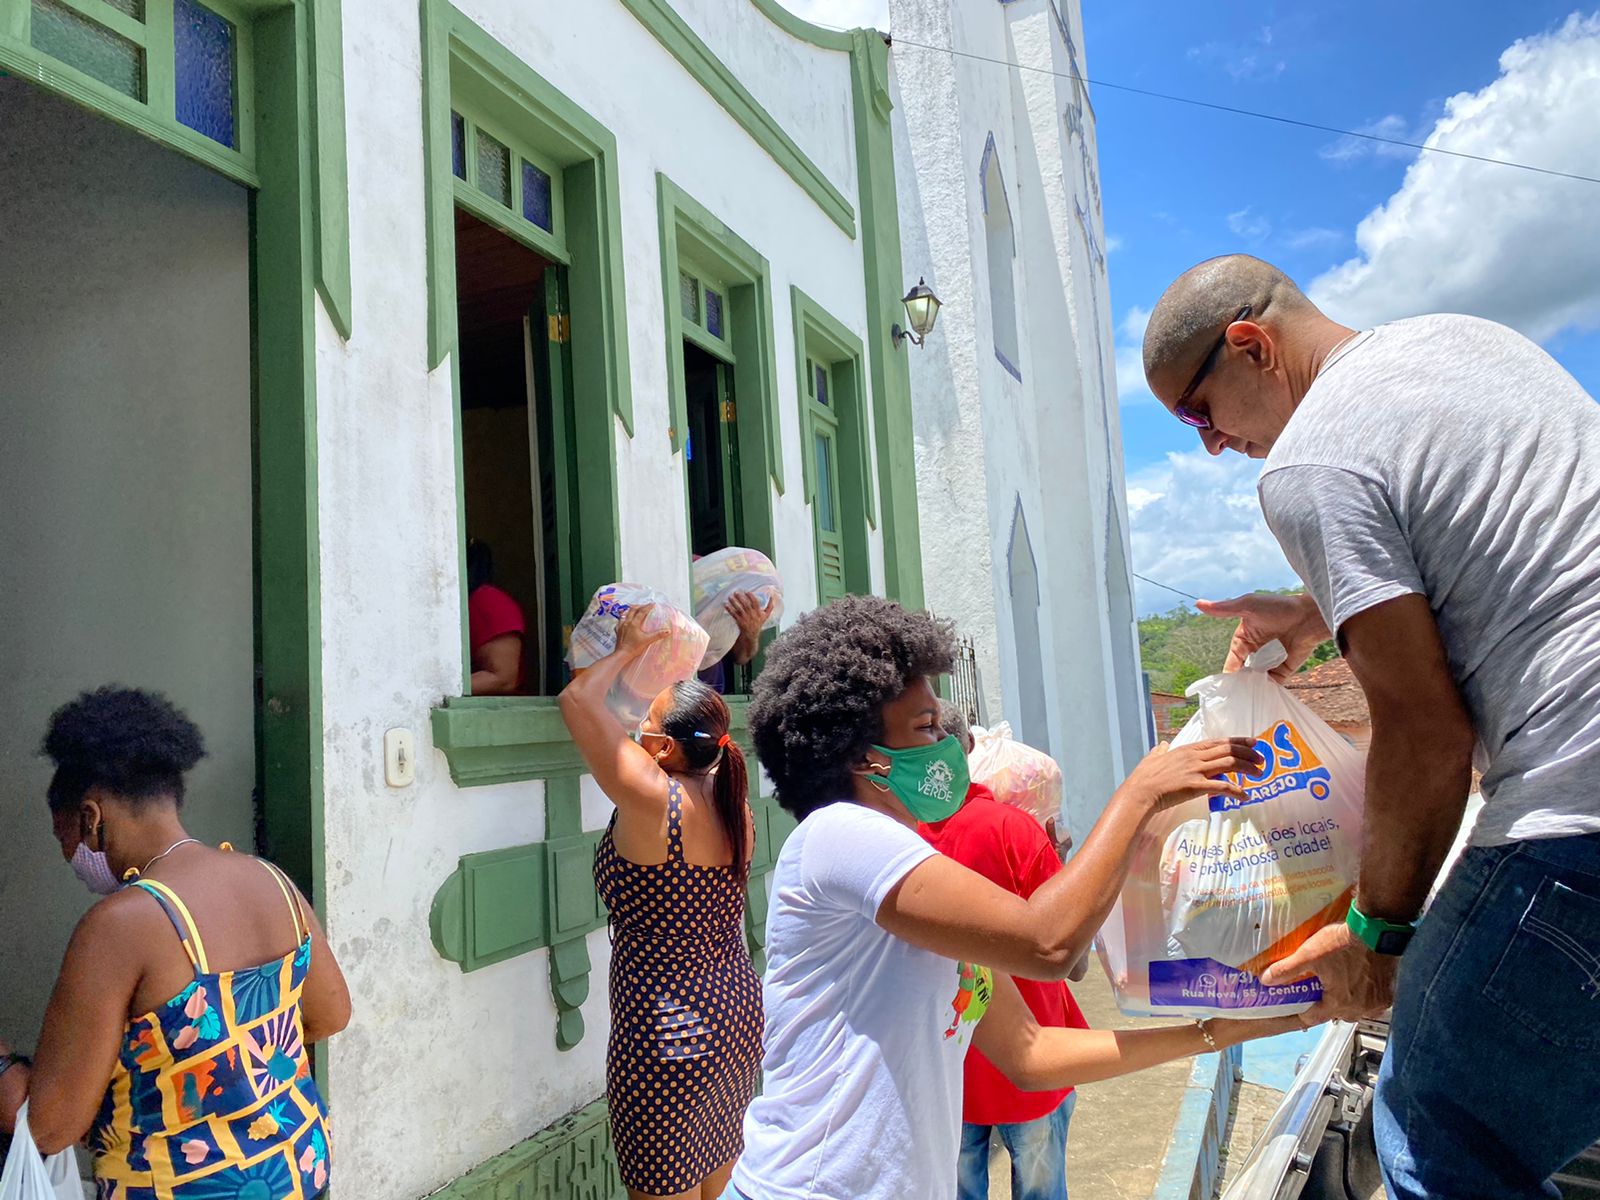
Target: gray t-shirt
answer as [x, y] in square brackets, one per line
[1451, 457]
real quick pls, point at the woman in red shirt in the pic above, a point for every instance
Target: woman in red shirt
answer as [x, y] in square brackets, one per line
[1010, 848]
[496, 630]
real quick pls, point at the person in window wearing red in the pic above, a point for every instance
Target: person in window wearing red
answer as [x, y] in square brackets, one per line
[1011, 849]
[496, 629]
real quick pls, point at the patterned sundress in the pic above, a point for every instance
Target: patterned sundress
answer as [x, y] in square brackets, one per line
[685, 1048]
[212, 1096]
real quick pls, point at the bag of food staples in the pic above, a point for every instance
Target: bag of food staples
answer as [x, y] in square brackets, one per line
[1221, 887]
[1017, 774]
[716, 577]
[673, 659]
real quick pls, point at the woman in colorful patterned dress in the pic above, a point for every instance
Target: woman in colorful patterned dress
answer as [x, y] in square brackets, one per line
[176, 1038]
[685, 1044]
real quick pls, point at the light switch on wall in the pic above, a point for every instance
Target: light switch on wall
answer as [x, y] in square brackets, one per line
[399, 758]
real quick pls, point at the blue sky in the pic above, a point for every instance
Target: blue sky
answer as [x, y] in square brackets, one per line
[1374, 233]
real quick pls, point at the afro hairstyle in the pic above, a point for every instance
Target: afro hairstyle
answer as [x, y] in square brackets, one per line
[818, 703]
[135, 744]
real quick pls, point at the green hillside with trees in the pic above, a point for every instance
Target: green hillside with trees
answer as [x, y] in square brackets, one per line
[1181, 646]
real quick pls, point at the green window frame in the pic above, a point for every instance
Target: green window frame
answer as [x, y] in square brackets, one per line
[154, 111]
[697, 245]
[831, 385]
[703, 308]
[474, 194]
[466, 72]
[318, 116]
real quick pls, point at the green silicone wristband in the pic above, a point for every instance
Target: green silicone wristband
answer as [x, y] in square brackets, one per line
[1378, 934]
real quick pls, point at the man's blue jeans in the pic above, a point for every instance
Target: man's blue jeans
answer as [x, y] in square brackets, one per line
[1038, 1152]
[1491, 1080]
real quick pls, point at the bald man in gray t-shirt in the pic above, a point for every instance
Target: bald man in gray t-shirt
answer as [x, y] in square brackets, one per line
[1435, 482]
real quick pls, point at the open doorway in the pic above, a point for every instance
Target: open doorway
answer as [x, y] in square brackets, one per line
[126, 496]
[517, 457]
[711, 453]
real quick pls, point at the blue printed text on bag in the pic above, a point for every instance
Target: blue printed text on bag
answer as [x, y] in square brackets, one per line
[1288, 765]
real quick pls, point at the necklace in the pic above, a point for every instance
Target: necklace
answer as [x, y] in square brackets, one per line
[1334, 353]
[135, 872]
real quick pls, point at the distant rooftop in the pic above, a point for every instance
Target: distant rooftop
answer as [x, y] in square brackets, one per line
[1331, 691]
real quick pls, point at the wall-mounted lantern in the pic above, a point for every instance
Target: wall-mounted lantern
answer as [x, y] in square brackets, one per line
[922, 311]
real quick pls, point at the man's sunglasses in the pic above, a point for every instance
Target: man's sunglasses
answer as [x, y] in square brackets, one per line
[1192, 416]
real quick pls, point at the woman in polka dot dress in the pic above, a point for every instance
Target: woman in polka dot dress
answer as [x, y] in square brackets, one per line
[685, 1047]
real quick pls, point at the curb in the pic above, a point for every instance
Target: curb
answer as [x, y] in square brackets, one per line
[1191, 1169]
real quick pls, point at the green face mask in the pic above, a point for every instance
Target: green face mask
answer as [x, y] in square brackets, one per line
[931, 781]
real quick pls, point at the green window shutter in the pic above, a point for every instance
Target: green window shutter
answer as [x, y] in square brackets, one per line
[826, 510]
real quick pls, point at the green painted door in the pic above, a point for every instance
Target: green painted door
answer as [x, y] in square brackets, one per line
[826, 511]
[555, 464]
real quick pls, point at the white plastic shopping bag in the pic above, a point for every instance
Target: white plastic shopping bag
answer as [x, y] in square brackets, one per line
[1222, 887]
[1016, 773]
[716, 577]
[31, 1176]
[673, 659]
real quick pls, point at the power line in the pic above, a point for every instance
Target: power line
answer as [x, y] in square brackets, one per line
[1164, 587]
[1247, 112]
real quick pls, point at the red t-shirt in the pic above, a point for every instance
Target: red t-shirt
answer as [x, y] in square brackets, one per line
[492, 613]
[1008, 847]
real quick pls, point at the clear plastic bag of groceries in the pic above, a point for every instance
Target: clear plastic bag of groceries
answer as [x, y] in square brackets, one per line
[1016, 773]
[1221, 887]
[717, 576]
[673, 659]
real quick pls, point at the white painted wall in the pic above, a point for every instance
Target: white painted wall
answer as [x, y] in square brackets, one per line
[125, 499]
[1049, 442]
[466, 1065]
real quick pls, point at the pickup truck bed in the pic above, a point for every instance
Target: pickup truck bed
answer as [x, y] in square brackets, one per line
[1318, 1145]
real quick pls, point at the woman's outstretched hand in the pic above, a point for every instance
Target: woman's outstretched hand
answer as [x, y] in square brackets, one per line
[1169, 775]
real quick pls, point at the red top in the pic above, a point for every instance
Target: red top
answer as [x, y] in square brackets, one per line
[1009, 848]
[492, 613]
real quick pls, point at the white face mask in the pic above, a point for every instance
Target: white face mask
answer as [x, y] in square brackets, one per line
[94, 870]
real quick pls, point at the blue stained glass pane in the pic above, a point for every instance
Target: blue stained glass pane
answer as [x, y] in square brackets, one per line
[537, 203]
[203, 49]
[821, 385]
[89, 46]
[713, 313]
[458, 146]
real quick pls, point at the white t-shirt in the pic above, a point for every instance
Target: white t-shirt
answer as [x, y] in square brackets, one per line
[865, 1033]
[1451, 457]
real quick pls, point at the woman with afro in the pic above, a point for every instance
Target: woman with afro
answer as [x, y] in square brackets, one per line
[885, 959]
[176, 1039]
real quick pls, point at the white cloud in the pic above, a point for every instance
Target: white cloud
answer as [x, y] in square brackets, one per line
[1251, 60]
[1197, 525]
[842, 14]
[1250, 225]
[1305, 239]
[1464, 236]
[1348, 149]
[1131, 387]
[1113, 243]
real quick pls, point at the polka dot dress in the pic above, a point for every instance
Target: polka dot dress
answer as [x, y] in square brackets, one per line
[685, 1048]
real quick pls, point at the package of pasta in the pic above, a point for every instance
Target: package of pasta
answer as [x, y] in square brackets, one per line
[717, 576]
[671, 660]
[1220, 887]
[1017, 774]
